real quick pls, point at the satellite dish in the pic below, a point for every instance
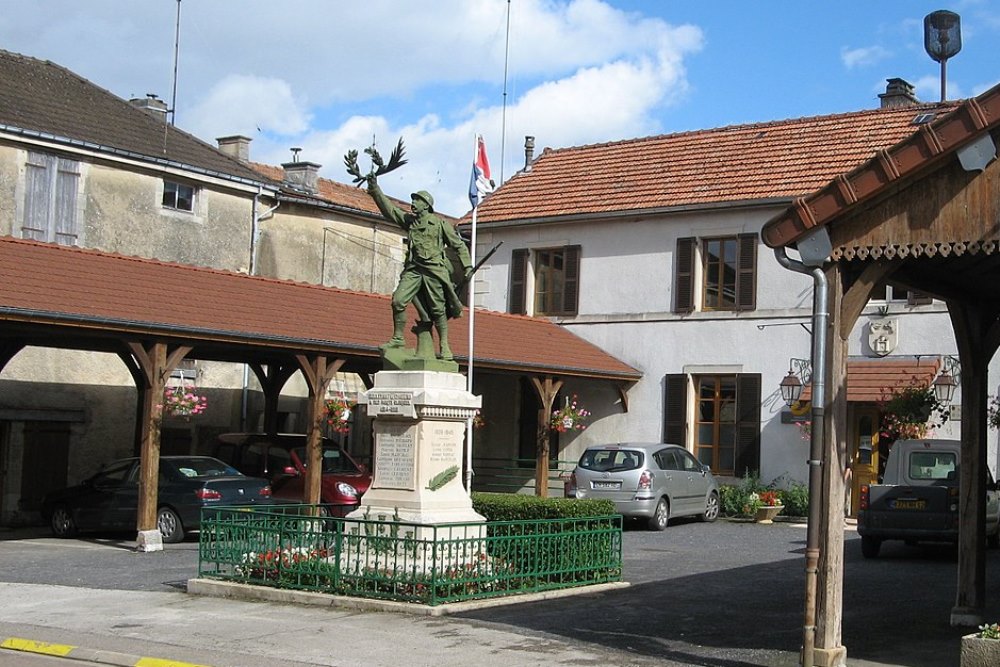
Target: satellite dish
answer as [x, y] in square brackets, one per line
[942, 39]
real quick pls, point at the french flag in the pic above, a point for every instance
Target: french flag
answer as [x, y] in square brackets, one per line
[480, 184]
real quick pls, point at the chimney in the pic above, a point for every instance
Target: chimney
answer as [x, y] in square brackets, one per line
[151, 104]
[529, 151]
[898, 93]
[303, 176]
[236, 146]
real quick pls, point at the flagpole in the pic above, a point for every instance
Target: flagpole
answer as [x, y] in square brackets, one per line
[472, 329]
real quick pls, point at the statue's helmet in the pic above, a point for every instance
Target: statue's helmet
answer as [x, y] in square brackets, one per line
[426, 196]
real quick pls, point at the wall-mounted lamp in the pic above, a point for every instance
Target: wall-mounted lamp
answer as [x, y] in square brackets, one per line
[791, 388]
[944, 387]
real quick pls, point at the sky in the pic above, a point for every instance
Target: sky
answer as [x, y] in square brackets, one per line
[328, 76]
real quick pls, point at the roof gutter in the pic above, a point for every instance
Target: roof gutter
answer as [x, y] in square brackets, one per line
[100, 148]
[644, 212]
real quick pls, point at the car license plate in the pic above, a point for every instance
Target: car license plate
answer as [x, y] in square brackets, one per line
[607, 485]
[910, 504]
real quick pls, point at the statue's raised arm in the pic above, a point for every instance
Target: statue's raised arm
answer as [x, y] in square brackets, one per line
[426, 278]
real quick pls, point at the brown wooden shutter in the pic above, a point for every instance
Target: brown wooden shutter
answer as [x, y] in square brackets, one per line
[571, 277]
[518, 269]
[675, 408]
[918, 298]
[684, 275]
[746, 275]
[747, 423]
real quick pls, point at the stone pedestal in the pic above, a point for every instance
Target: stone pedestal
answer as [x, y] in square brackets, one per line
[420, 421]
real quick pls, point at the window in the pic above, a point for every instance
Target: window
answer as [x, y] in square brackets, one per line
[550, 276]
[721, 272]
[178, 196]
[50, 199]
[725, 433]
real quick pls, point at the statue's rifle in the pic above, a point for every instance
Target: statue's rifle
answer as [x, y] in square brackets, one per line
[379, 166]
[478, 266]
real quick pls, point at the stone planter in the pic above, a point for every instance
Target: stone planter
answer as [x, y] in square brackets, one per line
[977, 652]
[767, 513]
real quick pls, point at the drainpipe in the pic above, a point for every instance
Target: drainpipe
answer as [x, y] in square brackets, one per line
[820, 318]
[252, 270]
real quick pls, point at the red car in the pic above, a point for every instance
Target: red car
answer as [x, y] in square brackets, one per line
[281, 459]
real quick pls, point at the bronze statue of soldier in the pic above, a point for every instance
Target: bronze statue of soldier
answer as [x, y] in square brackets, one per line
[426, 280]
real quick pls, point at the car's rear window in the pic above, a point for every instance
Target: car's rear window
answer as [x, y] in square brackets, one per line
[203, 467]
[333, 460]
[605, 460]
[938, 466]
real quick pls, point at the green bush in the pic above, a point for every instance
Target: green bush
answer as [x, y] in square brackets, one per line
[735, 499]
[795, 499]
[520, 507]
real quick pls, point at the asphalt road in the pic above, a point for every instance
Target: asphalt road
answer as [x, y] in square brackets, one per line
[717, 595]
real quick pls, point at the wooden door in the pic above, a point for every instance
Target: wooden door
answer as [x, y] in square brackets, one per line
[862, 452]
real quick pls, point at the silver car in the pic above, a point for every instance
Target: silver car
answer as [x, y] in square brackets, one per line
[653, 481]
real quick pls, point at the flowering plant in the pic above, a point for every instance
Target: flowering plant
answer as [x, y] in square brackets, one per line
[993, 412]
[478, 421]
[989, 631]
[769, 498]
[183, 402]
[570, 417]
[338, 413]
[907, 412]
[805, 429]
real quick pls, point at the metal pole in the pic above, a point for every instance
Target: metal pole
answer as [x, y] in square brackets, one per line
[472, 337]
[944, 78]
[820, 319]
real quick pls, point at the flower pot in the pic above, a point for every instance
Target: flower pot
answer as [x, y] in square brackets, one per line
[767, 513]
[979, 652]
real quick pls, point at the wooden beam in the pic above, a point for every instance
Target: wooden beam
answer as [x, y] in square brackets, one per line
[547, 390]
[318, 370]
[858, 294]
[272, 378]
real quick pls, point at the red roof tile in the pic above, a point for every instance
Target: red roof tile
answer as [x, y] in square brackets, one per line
[740, 163]
[44, 283]
[871, 380]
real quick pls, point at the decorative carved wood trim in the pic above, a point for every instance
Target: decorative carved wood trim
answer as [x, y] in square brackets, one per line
[945, 249]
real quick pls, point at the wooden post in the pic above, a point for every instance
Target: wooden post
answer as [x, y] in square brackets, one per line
[154, 364]
[830, 585]
[975, 335]
[318, 371]
[547, 391]
[272, 377]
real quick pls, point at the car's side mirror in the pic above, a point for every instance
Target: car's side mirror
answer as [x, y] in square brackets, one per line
[363, 468]
[290, 470]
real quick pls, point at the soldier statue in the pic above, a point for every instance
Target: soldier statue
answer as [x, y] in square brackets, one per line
[426, 280]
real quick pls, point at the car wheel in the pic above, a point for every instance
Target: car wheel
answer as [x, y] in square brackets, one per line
[661, 515]
[170, 525]
[711, 512]
[62, 522]
[870, 547]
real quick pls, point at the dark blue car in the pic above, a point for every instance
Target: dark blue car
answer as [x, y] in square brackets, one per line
[109, 500]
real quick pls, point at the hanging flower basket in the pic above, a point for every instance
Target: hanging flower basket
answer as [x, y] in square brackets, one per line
[338, 413]
[910, 412]
[183, 402]
[570, 417]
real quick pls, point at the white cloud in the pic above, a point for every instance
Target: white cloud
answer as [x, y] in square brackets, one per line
[863, 57]
[246, 105]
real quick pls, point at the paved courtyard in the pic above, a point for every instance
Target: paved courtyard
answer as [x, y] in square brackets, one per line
[717, 595]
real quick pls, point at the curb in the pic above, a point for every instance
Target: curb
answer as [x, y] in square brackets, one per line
[91, 655]
[234, 591]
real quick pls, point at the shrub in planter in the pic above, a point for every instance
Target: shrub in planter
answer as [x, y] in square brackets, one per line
[795, 499]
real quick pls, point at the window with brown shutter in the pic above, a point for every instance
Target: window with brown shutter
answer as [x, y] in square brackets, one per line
[675, 409]
[746, 276]
[557, 279]
[727, 422]
[518, 270]
[684, 276]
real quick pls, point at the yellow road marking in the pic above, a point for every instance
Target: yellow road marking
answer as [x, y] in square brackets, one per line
[156, 662]
[32, 646]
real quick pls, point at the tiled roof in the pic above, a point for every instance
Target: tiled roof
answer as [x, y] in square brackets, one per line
[40, 98]
[341, 195]
[900, 162]
[740, 163]
[871, 380]
[43, 283]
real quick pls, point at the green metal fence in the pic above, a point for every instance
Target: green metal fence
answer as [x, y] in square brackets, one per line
[286, 547]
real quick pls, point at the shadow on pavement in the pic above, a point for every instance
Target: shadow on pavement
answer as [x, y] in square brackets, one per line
[896, 611]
